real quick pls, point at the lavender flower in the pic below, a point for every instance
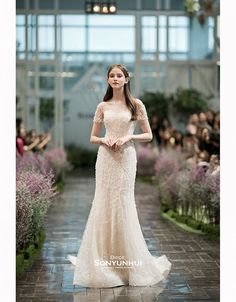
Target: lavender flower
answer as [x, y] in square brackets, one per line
[32, 161]
[165, 166]
[198, 174]
[57, 158]
[34, 193]
[145, 160]
[213, 183]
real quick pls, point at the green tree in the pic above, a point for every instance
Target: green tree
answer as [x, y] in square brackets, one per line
[189, 101]
[156, 103]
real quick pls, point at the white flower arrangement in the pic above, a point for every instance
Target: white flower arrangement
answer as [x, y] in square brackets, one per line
[191, 6]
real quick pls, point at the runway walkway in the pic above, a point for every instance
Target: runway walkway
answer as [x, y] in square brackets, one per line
[195, 259]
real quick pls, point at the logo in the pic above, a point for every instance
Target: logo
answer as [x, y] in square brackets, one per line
[118, 262]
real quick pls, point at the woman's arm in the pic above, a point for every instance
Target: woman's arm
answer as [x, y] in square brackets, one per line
[44, 141]
[146, 136]
[142, 118]
[34, 144]
[94, 138]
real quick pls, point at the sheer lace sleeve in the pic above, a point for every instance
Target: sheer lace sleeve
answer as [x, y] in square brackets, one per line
[98, 116]
[142, 112]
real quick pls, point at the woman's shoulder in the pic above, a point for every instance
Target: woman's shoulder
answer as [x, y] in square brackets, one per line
[101, 105]
[141, 110]
[139, 103]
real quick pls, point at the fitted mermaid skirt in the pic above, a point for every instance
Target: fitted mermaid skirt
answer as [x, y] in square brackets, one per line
[113, 251]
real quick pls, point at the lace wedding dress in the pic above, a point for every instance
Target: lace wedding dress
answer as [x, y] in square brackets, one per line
[113, 251]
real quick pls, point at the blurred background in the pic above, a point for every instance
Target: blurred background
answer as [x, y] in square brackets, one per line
[64, 47]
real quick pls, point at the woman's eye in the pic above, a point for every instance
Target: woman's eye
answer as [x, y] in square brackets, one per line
[118, 75]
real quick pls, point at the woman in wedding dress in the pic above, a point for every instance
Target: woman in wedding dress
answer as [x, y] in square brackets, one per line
[113, 251]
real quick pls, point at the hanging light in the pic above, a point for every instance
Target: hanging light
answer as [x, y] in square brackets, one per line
[112, 8]
[100, 7]
[96, 7]
[105, 8]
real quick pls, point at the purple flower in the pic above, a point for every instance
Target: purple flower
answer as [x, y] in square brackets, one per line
[57, 159]
[198, 174]
[165, 165]
[144, 154]
[145, 160]
[34, 193]
[32, 161]
[213, 183]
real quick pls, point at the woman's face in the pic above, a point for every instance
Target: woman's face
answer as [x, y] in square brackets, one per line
[116, 78]
[202, 117]
[23, 132]
[165, 122]
[209, 116]
[194, 118]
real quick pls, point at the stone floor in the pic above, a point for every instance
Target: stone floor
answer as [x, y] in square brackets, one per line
[195, 259]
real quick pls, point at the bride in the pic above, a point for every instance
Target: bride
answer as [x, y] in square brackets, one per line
[113, 251]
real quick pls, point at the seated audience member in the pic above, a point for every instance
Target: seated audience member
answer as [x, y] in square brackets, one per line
[165, 132]
[210, 115]
[203, 156]
[20, 140]
[214, 164]
[32, 140]
[192, 124]
[155, 126]
[203, 121]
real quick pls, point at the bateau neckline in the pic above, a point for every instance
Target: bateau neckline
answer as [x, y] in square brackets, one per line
[117, 111]
[116, 106]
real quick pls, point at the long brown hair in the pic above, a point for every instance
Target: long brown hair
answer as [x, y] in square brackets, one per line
[129, 99]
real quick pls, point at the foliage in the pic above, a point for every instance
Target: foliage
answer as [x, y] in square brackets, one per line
[34, 193]
[201, 9]
[192, 193]
[47, 110]
[156, 103]
[35, 190]
[33, 161]
[26, 256]
[190, 224]
[189, 101]
[191, 6]
[80, 157]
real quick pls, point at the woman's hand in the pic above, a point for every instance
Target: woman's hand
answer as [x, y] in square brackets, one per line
[121, 141]
[115, 144]
[107, 141]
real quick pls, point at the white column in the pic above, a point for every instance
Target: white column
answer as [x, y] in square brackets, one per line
[137, 66]
[25, 90]
[59, 110]
[37, 94]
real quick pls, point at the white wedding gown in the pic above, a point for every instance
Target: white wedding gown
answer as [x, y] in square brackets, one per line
[113, 231]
